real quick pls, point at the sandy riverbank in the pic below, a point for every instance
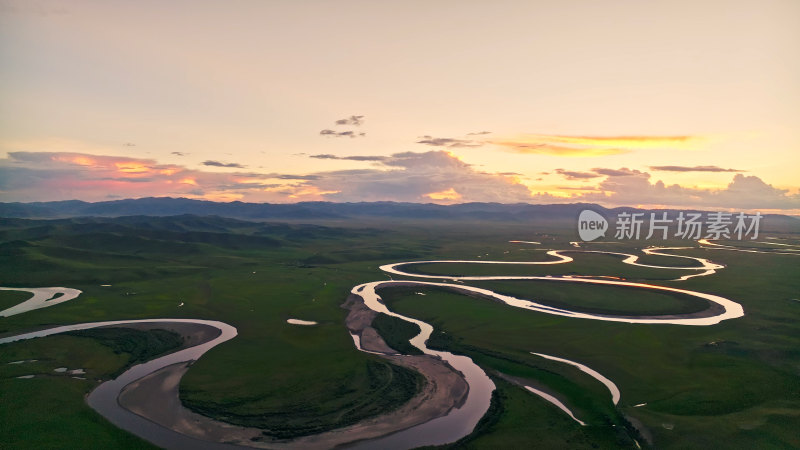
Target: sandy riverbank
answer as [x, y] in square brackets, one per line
[156, 396]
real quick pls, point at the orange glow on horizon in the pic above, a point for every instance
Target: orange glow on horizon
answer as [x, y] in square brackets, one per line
[131, 167]
[449, 195]
[248, 180]
[621, 141]
[310, 191]
[538, 147]
[220, 196]
[592, 146]
[79, 160]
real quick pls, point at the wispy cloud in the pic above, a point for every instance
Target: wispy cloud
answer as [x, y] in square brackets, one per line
[350, 158]
[592, 146]
[222, 164]
[350, 134]
[352, 120]
[449, 142]
[573, 175]
[623, 172]
[479, 133]
[693, 169]
[597, 172]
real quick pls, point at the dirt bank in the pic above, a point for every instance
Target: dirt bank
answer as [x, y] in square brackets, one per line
[156, 398]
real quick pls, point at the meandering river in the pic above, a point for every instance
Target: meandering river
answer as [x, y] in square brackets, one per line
[459, 421]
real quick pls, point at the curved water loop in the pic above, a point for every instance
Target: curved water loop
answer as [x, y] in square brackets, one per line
[42, 298]
[480, 390]
[449, 427]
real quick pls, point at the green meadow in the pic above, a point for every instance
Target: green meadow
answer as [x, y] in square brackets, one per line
[731, 385]
[11, 298]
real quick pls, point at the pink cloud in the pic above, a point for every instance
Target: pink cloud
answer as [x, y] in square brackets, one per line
[37, 176]
[409, 177]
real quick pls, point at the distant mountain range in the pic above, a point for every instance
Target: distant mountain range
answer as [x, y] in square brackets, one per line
[313, 211]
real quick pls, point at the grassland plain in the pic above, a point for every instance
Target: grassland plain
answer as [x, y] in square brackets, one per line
[11, 298]
[254, 284]
[733, 384]
[49, 411]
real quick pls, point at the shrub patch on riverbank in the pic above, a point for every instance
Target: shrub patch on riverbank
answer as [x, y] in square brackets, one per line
[141, 345]
[388, 387]
[397, 332]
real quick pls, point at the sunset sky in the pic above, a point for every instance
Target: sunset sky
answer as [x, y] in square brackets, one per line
[678, 103]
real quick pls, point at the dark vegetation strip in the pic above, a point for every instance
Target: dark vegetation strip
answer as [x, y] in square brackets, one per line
[390, 387]
[141, 345]
[397, 332]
